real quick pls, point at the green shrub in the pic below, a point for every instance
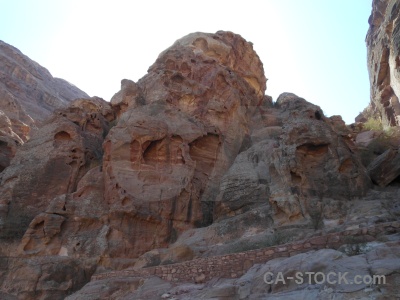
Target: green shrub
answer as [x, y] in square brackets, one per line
[376, 124]
[373, 124]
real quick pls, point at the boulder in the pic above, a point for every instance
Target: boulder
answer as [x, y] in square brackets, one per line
[385, 168]
[365, 138]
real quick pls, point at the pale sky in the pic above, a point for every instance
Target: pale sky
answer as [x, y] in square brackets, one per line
[313, 48]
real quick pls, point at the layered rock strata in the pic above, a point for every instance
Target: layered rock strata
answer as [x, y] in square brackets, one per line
[193, 157]
[53, 162]
[29, 94]
[184, 124]
[383, 44]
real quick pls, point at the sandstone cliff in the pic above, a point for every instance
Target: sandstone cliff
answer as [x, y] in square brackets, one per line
[28, 95]
[383, 44]
[193, 161]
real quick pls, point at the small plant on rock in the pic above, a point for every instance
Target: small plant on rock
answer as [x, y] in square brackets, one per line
[373, 124]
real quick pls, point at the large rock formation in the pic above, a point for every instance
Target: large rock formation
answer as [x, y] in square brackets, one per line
[28, 92]
[54, 160]
[9, 141]
[184, 124]
[28, 95]
[303, 169]
[44, 277]
[301, 276]
[193, 157]
[172, 163]
[383, 42]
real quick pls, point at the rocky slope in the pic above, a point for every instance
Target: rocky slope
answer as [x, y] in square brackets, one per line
[29, 94]
[261, 281]
[194, 161]
[383, 43]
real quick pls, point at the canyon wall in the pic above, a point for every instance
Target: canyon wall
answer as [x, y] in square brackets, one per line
[383, 44]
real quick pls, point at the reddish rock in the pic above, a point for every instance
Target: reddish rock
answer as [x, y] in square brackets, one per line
[194, 143]
[9, 141]
[130, 96]
[53, 161]
[305, 171]
[29, 94]
[385, 168]
[161, 166]
[49, 277]
[383, 43]
[175, 254]
[163, 161]
[28, 91]
[194, 66]
[372, 144]
[73, 225]
[365, 138]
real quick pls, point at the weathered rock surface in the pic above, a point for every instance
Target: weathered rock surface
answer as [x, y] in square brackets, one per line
[193, 160]
[385, 168]
[9, 141]
[365, 138]
[28, 96]
[72, 225]
[129, 96]
[383, 43]
[171, 255]
[373, 143]
[371, 259]
[324, 261]
[53, 161]
[28, 92]
[50, 277]
[302, 169]
[163, 160]
[134, 288]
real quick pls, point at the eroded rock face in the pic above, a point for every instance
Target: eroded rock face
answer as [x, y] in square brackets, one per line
[302, 169]
[383, 42]
[199, 62]
[50, 277]
[163, 160]
[377, 259]
[323, 261]
[136, 288]
[385, 168]
[53, 161]
[28, 92]
[193, 153]
[9, 141]
[73, 225]
[130, 96]
[28, 96]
